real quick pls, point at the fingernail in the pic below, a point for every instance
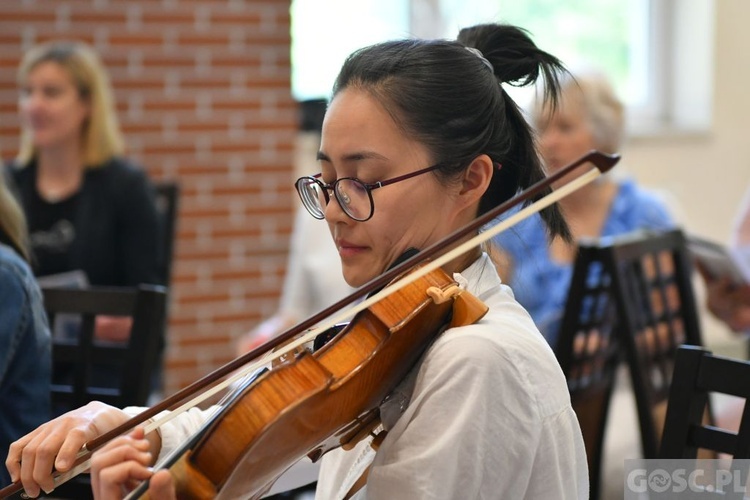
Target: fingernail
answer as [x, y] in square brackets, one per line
[26, 494]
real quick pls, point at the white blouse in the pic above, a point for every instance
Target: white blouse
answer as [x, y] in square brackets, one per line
[489, 417]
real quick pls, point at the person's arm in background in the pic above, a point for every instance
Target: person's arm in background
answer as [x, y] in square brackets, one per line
[25, 352]
[138, 230]
[138, 244]
[14, 313]
[728, 301]
[741, 231]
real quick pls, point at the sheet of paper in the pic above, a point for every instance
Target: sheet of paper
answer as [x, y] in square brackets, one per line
[720, 261]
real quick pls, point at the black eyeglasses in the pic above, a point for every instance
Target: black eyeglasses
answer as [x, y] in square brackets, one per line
[353, 195]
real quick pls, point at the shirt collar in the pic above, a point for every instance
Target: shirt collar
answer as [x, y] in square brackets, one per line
[479, 277]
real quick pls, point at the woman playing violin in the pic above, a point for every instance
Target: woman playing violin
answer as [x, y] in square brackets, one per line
[419, 139]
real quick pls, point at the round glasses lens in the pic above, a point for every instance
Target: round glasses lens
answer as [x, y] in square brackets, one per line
[354, 198]
[312, 196]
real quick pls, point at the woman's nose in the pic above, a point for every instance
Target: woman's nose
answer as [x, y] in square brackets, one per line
[31, 102]
[333, 211]
[548, 140]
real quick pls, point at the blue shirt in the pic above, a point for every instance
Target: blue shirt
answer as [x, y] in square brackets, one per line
[25, 354]
[541, 284]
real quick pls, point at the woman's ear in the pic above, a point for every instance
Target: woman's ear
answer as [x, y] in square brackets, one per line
[476, 179]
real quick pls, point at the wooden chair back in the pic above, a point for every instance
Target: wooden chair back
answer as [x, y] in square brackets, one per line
[687, 435]
[588, 350]
[697, 373]
[78, 358]
[656, 311]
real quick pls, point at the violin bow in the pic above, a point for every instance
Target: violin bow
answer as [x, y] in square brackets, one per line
[237, 369]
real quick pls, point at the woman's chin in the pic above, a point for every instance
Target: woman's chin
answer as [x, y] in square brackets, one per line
[354, 280]
[356, 276]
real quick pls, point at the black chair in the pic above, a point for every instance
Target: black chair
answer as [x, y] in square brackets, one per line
[697, 373]
[588, 350]
[656, 311]
[86, 369]
[79, 357]
[167, 203]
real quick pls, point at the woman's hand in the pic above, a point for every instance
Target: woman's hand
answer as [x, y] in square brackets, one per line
[118, 468]
[56, 444]
[113, 328]
[730, 303]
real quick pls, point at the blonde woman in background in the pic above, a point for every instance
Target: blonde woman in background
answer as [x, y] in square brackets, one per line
[88, 208]
[24, 336]
[589, 116]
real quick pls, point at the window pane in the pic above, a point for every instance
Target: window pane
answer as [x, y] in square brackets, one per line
[609, 35]
[325, 32]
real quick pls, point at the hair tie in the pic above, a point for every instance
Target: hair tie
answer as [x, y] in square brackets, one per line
[481, 57]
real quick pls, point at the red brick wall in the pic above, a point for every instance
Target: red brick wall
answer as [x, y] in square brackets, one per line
[203, 93]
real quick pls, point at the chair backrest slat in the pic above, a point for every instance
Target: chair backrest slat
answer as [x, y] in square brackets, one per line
[727, 381]
[711, 438]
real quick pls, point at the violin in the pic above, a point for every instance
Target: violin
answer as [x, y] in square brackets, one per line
[318, 401]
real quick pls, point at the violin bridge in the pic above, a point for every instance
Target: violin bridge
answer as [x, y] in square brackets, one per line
[438, 295]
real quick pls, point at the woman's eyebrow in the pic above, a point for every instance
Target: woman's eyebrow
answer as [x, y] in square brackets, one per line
[358, 156]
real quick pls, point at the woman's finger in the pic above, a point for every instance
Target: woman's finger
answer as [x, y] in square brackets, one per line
[121, 449]
[161, 486]
[13, 460]
[116, 478]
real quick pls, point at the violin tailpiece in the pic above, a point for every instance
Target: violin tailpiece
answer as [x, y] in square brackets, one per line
[467, 309]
